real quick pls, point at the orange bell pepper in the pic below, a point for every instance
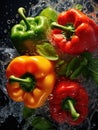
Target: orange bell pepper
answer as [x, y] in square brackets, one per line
[30, 80]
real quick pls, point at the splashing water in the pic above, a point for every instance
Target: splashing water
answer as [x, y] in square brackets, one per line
[8, 52]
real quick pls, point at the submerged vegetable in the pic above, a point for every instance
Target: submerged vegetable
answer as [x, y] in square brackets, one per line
[69, 102]
[30, 80]
[74, 33]
[30, 31]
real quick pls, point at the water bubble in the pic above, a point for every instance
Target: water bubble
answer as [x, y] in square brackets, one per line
[6, 13]
[17, 16]
[8, 21]
[13, 20]
[30, 3]
[25, 6]
[5, 31]
[11, 10]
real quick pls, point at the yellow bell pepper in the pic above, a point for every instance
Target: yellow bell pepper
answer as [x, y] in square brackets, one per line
[30, 80]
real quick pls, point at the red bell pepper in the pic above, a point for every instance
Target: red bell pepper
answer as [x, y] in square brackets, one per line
[69, 102]
[74, 33]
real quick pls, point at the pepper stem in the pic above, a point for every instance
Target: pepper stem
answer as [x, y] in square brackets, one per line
[68, 104]
[21, 11]
[27, 81]
[68, 30]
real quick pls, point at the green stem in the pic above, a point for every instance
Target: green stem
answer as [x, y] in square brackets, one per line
[68, 104]
[68, 28]
[79, 69]
[71, 65]
[27, 82]
[21, 11]
[77, 72]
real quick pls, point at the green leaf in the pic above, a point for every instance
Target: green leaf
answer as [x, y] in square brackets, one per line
[87, 55]
[27, 112]
[72, 65]
[93, 65]
[79, 7]
[77, 72]
[50, 13]
[76, 66]
[86, 73]
[95, 77]
[91, 69]
[62, 69]
[48, 51]
[41, 123]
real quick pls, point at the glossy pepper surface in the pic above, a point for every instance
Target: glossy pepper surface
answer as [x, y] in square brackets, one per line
[75, 32]
[30, 31]
[69, 102]
[30, 80]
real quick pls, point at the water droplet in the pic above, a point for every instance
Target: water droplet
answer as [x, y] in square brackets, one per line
[8, 21]
[6, 13]
[17, 15]
[30, 3]
[5, 31]
[13, 20]
[11, 10]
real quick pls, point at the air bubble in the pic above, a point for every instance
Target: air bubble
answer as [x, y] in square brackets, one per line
[8, 21]
[30, 3]
[6, 13]
[13, 20]
[11, 10]
[5, 31]
[17, 15]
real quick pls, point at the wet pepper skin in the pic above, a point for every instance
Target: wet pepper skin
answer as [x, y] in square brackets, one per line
[29, 32]
[70, 90]
[84, 38]
[38, 83]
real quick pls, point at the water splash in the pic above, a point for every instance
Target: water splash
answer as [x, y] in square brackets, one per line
[8, 52]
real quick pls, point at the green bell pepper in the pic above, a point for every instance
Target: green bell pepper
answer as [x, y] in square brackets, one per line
[29, 32]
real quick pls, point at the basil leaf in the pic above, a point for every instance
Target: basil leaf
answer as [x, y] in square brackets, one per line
[93, 65]
[48, 51]
[27, 112]
[50, 14]
[41, 123]
[79, 7]
[62, 69]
